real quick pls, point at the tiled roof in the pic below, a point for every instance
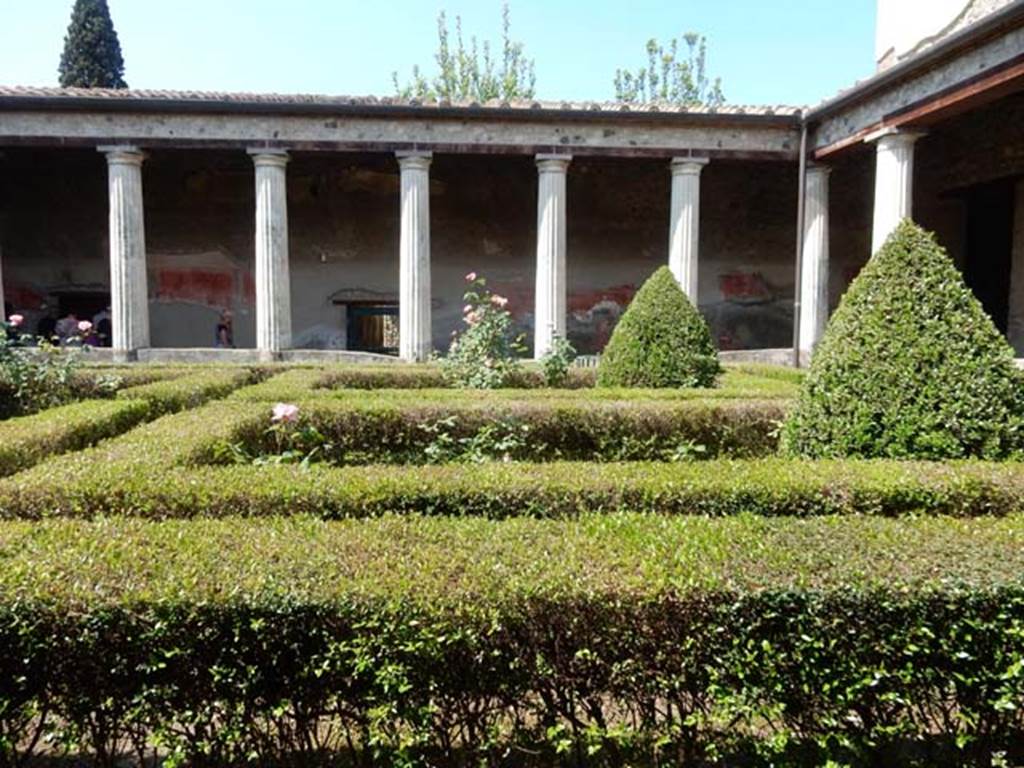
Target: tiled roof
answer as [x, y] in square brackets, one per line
[299, 101]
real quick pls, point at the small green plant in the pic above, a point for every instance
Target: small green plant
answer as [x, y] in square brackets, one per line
[909, 367]
[555, 364]
[661, 341]
[496, 441]
[484, 355]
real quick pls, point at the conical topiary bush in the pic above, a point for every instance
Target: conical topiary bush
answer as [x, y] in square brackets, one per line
[910, 366]
[661, 341]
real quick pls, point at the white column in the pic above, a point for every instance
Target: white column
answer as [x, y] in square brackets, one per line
[549, 299]
[814, 262]
[684, 224]
[415, 337]
[129, 297]
[894, 182]
[273, 288]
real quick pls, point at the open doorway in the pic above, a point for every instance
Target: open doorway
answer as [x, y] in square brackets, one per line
[373, 328]
[989, 247]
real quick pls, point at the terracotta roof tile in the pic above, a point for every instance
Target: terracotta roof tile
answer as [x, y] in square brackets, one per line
[319, 100]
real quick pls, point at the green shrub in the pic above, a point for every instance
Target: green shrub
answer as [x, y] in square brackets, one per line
[192, 389]
[373, 430]
[910, 366]
[661, 341]
[607, 641]
[27, 440]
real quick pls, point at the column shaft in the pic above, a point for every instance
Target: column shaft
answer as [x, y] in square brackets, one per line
[814, 267]
[129, 297]
[415, 337]
[273, 288]
[684, 224]
[550, 296]
[894, 183]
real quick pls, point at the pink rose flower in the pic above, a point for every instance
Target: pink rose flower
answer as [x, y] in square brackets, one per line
[84, 326]
[285, 413]
[17, 320]
[467, 309]
[499, 301]
[471, 277]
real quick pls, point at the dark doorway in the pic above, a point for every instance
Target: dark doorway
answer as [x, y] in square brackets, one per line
[990, 209]
[373, 328]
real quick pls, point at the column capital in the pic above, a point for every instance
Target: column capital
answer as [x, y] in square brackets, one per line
[414, 161]
[269, 158]
[816, 169]
[122, 154]
[888, 137]
[688, 166]
[551, 163]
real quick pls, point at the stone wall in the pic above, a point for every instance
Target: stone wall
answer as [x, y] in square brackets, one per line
[343, 211]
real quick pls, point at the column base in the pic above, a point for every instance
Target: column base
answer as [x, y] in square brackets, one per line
[125, 355]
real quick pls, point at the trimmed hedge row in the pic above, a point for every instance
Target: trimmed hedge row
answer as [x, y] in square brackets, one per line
[339, 383]
[158, 470]
[430, 377]
[28, 440]
[192, 390]
[613, 640]
[404, 430]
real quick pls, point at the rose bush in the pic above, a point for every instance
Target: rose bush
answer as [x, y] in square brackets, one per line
[484, 355]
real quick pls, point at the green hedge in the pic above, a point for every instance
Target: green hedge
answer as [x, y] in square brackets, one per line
[431, 377]
[607, 641]
[404, 430]
[155, 471]
[760, 382]
[27, 440]
[191, 390]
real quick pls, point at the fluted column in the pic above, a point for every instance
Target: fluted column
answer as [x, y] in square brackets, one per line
[814, 263]
[550, 302]
[273, 288]
[415, 338]
[894, 182]
[684, 224]
[129, 297]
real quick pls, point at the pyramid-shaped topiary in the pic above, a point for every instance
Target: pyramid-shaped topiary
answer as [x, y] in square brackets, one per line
[661, 341]
[910, 366]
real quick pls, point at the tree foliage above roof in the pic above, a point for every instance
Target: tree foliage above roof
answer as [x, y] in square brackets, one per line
[668, 77]
[92, 53]
[472, 74]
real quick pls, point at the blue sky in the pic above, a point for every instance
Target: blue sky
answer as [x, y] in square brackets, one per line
[785, 51]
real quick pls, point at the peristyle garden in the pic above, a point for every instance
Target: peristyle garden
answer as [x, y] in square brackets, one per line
[485, 562]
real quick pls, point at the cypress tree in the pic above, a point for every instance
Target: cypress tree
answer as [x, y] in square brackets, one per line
[92, 53]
